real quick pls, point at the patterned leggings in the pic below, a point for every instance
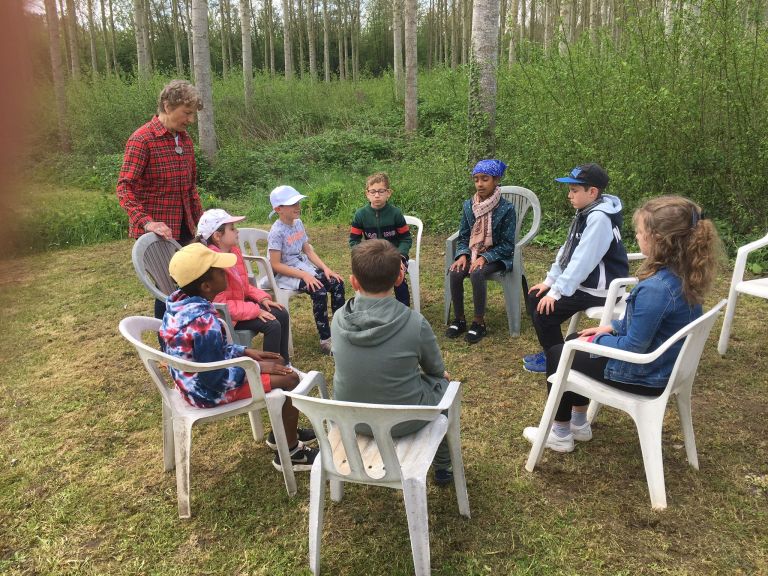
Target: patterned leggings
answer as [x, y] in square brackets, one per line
[320, 303]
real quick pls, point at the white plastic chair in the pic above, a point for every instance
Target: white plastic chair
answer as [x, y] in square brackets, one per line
[647, 412]
[179, 416]
[757, 287]
[615, 308]
[151, 255]
[413, 264]
[511, 282]
[379, 460]
[260, 272]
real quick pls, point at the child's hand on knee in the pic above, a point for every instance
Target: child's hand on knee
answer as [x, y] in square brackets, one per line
[538, 289]
[459, 264]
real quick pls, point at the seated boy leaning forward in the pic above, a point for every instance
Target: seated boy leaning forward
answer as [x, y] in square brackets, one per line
[380, 219]
[191, 330]
[591, 258]
[386, 353]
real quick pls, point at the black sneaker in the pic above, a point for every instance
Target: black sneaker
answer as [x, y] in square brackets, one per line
[456, 328]
[475, 333]
[443, 476]
[302, 458]
[306, 435]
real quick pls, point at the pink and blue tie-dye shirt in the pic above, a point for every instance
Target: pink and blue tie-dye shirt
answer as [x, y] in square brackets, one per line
[191, 330]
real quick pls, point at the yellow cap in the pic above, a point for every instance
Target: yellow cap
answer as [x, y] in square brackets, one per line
[194, 260]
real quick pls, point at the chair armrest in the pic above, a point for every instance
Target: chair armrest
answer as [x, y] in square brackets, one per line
[228, 324]
[310, 381]
[267, 267]
[450, 249]
[615, 286]
[741, 257]
[535, 224]
[450, 395]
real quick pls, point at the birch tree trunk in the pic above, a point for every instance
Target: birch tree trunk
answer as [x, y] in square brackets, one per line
[298, 27]
[223, 36]
[142, 52]
[176, 37]
[354, 38]
[287, 45]
[105, 39]
[512, 52]
[245, 28]
[502, 26]
[115, 65]
[190, 42]
[466, 27]
[326, 43]
[454, 37]
[411, 64]
[92, 39]
[565, 25]
[74, 52]
[206, 131]
[397, 40]
[483, 63]
[312, 40]
[54, 42]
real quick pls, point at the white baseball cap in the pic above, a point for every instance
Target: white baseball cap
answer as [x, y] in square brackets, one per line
[284, 196]
[213, 219]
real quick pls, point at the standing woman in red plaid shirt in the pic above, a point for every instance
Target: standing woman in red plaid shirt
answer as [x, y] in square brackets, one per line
[156, 186]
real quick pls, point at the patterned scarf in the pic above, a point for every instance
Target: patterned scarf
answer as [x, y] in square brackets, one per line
[481, 238]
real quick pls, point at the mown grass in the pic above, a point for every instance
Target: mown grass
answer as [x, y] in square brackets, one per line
[82, 489]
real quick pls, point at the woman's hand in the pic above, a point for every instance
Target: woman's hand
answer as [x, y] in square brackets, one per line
[459, 264]
[159, 228]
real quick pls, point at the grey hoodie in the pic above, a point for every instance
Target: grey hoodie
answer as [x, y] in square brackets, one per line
[385, 353]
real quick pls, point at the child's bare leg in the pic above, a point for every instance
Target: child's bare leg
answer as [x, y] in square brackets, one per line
[290, 414]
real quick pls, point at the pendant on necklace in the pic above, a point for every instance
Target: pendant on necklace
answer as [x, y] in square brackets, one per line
[179, 150]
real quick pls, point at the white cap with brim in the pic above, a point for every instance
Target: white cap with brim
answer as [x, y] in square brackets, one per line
[213, 219]
[284, 196]
[194, 260]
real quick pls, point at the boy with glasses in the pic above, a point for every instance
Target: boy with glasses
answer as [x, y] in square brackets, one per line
[379, 219]
[593, 255]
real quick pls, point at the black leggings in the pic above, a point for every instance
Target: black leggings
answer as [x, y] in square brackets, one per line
[320, 302]
[594, 367]
[479, 281]
[275, 331]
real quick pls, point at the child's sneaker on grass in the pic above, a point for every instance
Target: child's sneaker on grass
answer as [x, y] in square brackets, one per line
[443, 476]
[302, 458]
[538, 364]
[457, 327]
[554, 442]
[538, 357]
[475, 333]
[305, 435]
[582, 433]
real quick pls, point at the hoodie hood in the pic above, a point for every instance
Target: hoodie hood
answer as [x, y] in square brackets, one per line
[185, 309]
[610, 204]
[368, 322]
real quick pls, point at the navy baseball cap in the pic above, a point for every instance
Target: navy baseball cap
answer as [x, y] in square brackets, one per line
[587, 175]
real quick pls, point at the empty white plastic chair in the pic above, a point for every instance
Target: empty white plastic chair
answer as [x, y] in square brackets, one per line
[413, 263]
[647, 412]
[757, 287]
[179, 416]
[379, 460]
[512, 281]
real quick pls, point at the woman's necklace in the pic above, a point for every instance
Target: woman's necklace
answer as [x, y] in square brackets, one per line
[179, 150]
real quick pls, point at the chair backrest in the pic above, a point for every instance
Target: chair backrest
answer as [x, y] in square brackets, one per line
[687, 363]
[346, 416]
[151, 255]
[249, 239]
[413, 221]
[523, 200]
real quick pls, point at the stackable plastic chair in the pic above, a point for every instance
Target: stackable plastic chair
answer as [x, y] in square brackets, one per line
[380, 460]
[151, 255]
[646, 411]
[512, 281]
[757, 287]
[413, 264]
[179, 416]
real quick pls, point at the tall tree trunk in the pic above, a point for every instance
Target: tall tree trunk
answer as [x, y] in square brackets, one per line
[58, 73]
[149, 34]
[502, 26]
[223, 38]
[298, 27]
[411, 64]
[112, 39]
[92, 38]
[142, 52]
[594, 20]
[245, 28]
[513, 33]
[228, 21]
[483, 63]
[74, 51]
[190, 40]
[287, 45]
[176, 37]
[341, 47]
[454, 37]
[397, 38]
[206, 131]
[355, 40]
[326, 42]
[312, 39]
[565, 24]
[105, 39]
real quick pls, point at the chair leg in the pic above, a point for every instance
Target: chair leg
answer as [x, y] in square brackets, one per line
[413, 277]
[337, 490]
[446, 299]
[686, 422]
[317, 482]
[547, 417]
[593, 410]
[649, 431]
[169, 459]
[457, 463]
[511, 288]
[182, 431]
[257, 427]
[415, 496]
[725, 331]
[274, 409]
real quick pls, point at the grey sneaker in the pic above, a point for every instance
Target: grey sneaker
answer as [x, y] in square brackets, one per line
[582, 433]
[325, 347]
[554, 442]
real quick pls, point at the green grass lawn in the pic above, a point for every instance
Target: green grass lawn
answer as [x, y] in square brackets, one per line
[82, 487]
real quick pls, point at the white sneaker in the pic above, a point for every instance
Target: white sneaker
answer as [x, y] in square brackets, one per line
[582, 433]
[554, 442]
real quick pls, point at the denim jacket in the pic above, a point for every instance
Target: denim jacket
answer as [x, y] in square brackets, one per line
[503, 226]
[656, 309]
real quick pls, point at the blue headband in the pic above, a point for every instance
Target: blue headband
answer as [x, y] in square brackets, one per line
[493, 168]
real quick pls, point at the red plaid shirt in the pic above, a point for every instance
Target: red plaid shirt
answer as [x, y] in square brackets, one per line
[156, 184]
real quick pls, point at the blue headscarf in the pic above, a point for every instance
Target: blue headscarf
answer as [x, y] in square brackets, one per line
[493, 168]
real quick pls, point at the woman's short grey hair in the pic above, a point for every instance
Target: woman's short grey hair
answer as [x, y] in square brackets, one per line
[178, 93]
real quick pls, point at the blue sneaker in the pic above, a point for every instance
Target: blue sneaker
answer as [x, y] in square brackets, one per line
[538, 357]
[539, 364]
